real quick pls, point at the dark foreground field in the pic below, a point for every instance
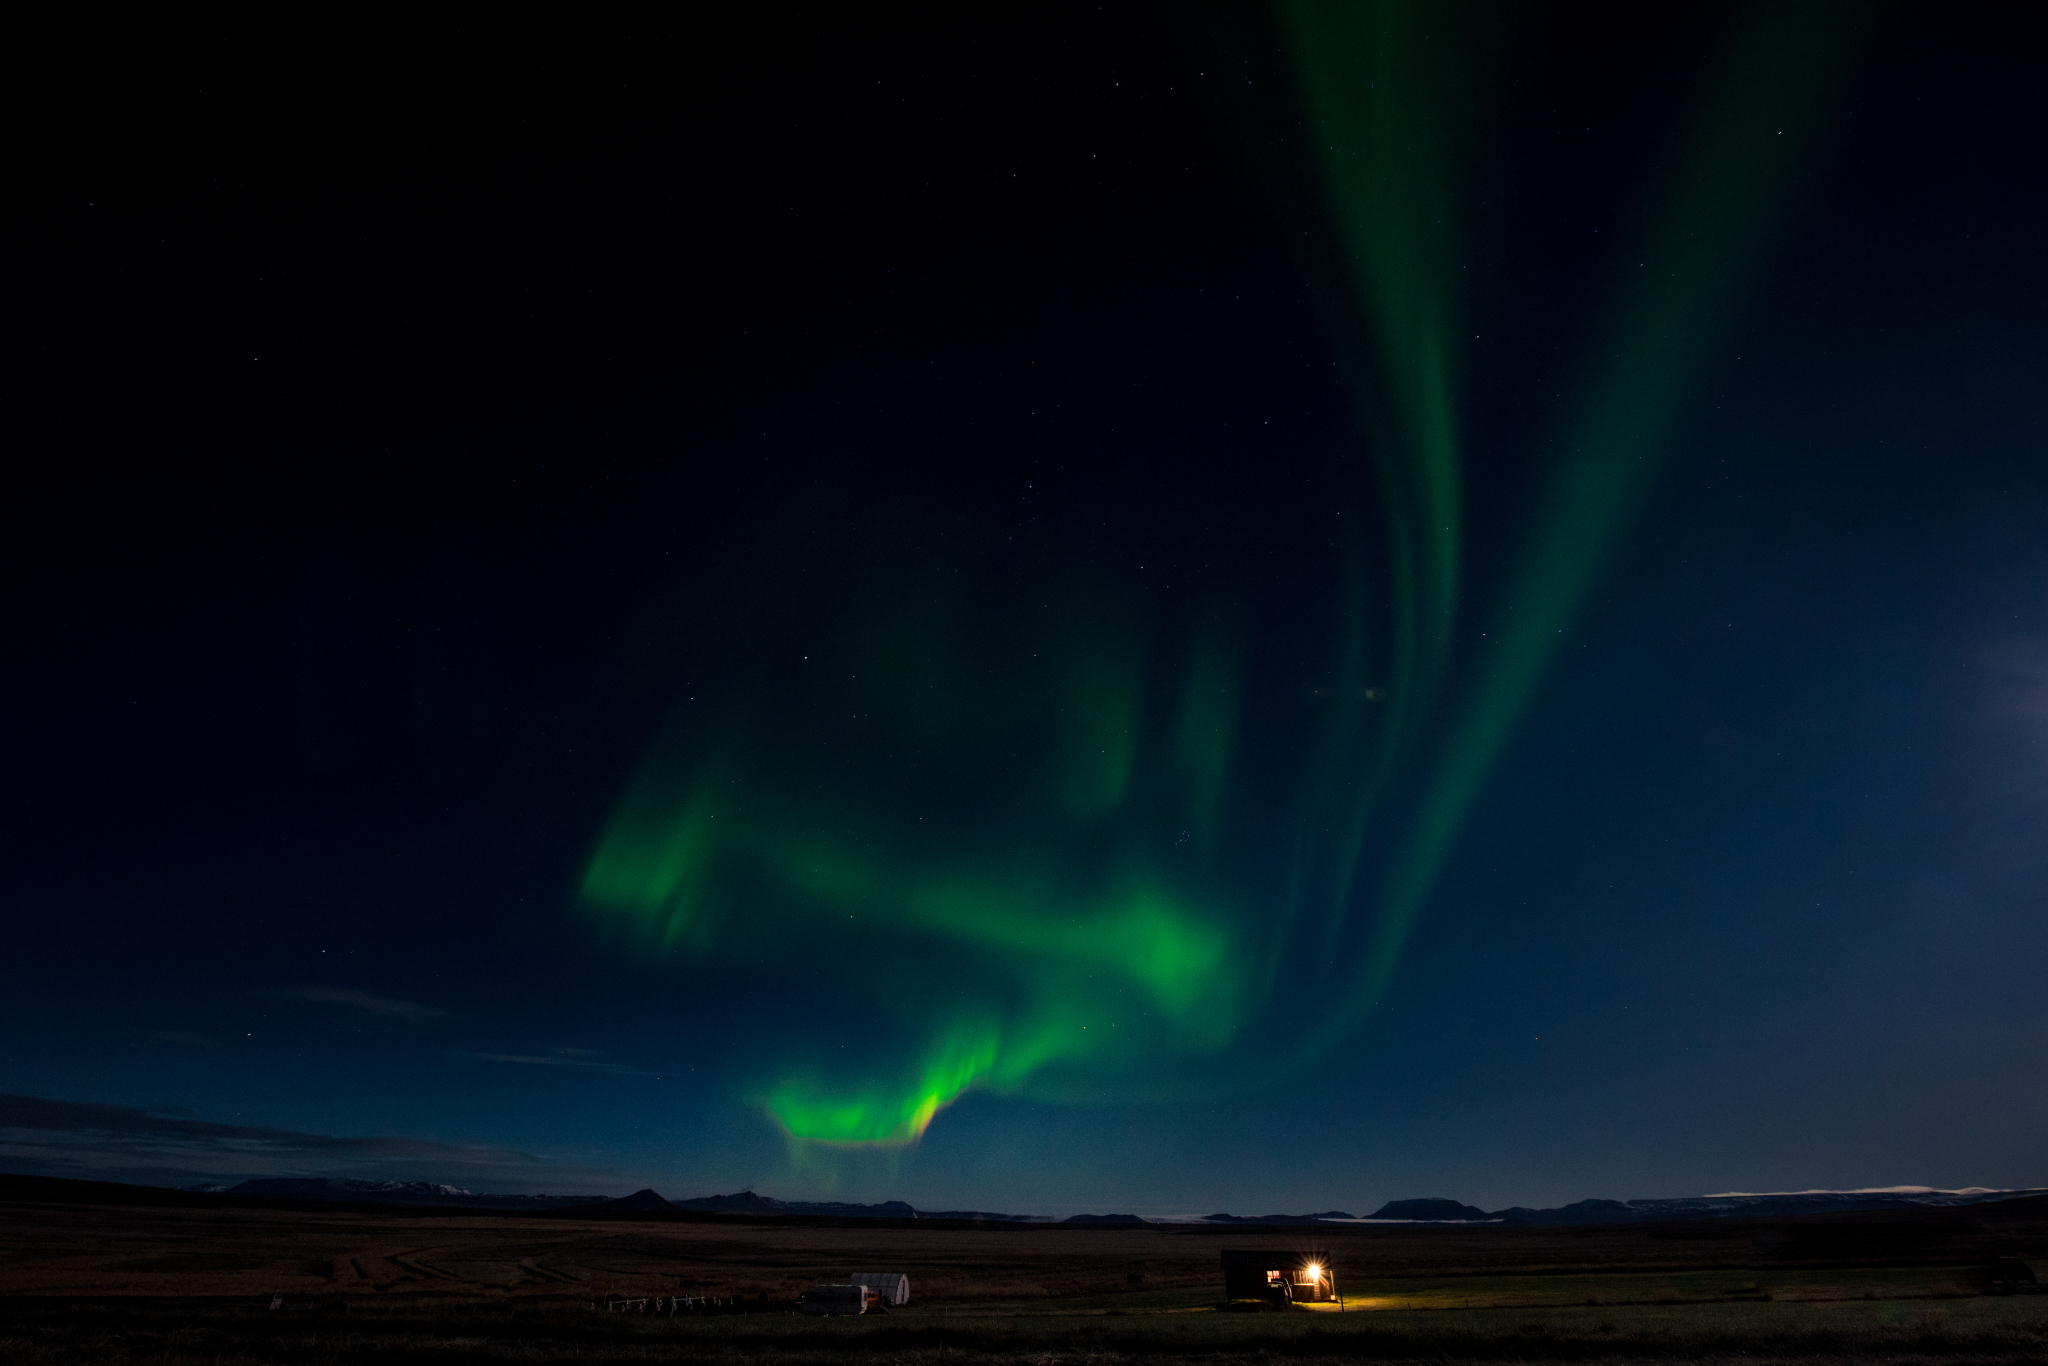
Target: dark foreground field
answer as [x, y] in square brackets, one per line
[96, 1278]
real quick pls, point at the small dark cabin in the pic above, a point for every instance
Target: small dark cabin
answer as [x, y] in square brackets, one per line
[1286, 1277]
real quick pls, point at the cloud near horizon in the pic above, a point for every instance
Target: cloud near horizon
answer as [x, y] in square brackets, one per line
[119, 1142]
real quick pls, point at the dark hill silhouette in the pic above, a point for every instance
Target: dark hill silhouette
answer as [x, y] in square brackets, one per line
[69, 1191]
[640, 1199]
[740, 1202]
[1126, 1220]
[747, 1202]
[1428, 1209]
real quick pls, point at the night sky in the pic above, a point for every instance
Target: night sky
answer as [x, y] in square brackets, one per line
[1157, 609]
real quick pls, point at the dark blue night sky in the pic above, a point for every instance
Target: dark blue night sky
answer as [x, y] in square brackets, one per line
[1232, 609]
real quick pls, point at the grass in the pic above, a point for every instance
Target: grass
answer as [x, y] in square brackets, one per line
[173, 1286]
[1142, 1327]
[1665, 1288]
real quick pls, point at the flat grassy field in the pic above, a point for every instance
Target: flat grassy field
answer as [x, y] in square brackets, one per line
[195, 1281]
[63, 1331]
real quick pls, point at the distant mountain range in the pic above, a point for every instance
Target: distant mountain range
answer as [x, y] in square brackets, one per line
[346, 1190]
[746, 1202]
[1425, 1211]
[1732, 1206]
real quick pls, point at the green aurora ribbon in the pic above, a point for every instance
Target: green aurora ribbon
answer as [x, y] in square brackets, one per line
[1033, 787]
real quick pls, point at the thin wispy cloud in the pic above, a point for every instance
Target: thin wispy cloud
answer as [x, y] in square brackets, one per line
[120, 1142]
[366, 1002]
[590, 1059]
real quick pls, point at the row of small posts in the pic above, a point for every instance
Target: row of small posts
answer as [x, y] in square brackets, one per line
[670, 1305]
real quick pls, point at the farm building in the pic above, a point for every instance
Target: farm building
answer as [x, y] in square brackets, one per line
[892, 1286]
[1288, 1277]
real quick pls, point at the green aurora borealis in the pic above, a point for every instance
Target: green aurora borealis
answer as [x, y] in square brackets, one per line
[1024, 771]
